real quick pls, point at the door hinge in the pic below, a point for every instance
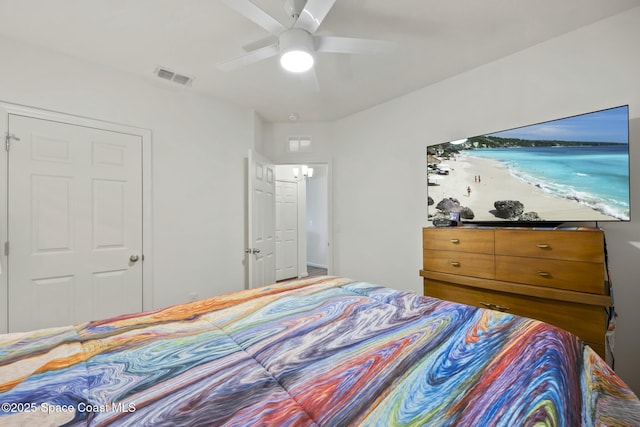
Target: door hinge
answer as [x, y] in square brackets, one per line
[6, 248]
[7, 140]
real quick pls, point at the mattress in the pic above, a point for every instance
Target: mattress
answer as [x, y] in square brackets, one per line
[324, 351]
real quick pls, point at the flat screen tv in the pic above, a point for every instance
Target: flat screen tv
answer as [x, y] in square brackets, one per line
[565, 170]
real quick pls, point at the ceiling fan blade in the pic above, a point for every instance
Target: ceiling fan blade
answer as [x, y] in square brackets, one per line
[313, 14]
[259, 44]
[252, 12]
[332, 44]
[249, 58]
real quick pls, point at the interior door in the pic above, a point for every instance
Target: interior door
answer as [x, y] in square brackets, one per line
[261, 213]
[74, 223]
[286, 230]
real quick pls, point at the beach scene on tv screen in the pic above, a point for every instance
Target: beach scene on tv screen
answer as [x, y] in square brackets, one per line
[570, 169]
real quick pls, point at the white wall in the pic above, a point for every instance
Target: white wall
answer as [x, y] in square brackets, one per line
[379, 190]
[317, 218]
[199, 151]
[276, 137]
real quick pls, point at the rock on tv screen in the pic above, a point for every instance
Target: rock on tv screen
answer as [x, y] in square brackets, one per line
[570, 169]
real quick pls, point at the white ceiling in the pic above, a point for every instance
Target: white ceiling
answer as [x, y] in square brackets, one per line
[435, 39]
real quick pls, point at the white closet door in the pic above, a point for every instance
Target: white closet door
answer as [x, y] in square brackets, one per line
[74, 223]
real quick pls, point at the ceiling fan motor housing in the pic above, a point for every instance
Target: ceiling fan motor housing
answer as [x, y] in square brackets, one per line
[296, 39]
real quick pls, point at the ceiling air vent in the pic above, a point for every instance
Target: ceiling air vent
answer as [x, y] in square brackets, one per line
[167, 74]
[299, 144]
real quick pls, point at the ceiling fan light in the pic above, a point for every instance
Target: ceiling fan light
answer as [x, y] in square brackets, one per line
[296, 61]
[296, 50]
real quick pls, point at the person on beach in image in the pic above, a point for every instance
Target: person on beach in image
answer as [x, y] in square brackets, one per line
[468, 191]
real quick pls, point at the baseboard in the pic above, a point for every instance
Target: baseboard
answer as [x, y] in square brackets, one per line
[313, 264]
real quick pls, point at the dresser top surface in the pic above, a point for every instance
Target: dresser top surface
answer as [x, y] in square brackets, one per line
[542, 228]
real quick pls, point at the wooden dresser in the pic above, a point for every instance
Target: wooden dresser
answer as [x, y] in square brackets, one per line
[556, 276]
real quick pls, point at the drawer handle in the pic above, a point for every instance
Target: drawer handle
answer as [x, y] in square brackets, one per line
[455, 264]
[542, 245]
[495, 306]
[544, 274]
[455, 240]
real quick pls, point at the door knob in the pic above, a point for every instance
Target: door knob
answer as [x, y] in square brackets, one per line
[134, 258]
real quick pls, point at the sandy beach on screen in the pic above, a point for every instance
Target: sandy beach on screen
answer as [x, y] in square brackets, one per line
[496, 183]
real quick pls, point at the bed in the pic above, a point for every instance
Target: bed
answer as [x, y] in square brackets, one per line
[323, 351]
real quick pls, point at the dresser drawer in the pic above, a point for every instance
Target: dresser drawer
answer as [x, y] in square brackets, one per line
[586, 321]
[557, 244]
[461, 263]
[458, 239]
[560, 274]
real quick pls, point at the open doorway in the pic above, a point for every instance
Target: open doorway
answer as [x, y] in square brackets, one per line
[302, 234]
[317, 221]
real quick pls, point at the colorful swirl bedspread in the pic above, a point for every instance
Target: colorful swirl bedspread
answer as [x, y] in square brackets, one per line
[324, 351]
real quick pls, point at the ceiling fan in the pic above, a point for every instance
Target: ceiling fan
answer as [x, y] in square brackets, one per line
[297, 45]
